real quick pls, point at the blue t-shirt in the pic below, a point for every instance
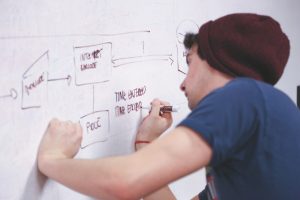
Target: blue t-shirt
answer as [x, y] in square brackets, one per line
[254, 132]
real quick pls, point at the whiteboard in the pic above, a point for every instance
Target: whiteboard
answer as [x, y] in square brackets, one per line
[96, 62]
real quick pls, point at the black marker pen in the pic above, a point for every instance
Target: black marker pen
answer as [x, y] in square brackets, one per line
[165, 108]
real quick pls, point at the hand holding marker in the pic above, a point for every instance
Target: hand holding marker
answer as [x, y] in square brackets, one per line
[162, 110]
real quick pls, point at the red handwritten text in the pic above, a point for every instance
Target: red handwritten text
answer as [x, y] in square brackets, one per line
[34, 84]
[91, 126]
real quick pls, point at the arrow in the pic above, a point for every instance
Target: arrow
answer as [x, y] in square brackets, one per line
[171, 60]
[68, 78]
[12, 93]
[134, 59]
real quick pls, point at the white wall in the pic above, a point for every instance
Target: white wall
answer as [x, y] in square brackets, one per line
[44, 43]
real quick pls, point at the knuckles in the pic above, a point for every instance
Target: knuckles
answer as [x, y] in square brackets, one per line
[66, 127]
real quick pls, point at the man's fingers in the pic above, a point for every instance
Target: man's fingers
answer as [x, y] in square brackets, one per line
[155, 107]
[165, 103]
[53, 122]
[167, 115]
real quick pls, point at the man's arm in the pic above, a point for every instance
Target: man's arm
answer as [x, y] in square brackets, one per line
[134, 176]
[125, 177]
[149, 135]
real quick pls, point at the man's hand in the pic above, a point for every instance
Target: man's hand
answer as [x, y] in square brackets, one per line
[154, 124]
[61, 140]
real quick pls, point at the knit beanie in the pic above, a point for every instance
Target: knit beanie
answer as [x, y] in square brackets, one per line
[245, 44]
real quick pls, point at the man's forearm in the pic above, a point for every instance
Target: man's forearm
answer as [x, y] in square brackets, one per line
[88, 177]
[128, 177]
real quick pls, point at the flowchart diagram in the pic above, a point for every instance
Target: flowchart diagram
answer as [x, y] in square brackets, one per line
[94, 64]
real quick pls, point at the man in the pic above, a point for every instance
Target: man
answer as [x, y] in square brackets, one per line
[246, 132]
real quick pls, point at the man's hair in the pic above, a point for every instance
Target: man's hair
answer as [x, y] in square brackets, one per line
[191, 39]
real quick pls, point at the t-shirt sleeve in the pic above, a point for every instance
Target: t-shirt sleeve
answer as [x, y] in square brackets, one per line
[226, 119]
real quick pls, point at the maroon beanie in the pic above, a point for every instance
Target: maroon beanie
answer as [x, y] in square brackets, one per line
[245, 45]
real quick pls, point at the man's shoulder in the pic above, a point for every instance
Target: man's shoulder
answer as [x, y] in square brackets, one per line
[238, 89]
[241, 83]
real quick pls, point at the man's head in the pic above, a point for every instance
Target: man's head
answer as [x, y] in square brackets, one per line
[243, 44]
[236, 45]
